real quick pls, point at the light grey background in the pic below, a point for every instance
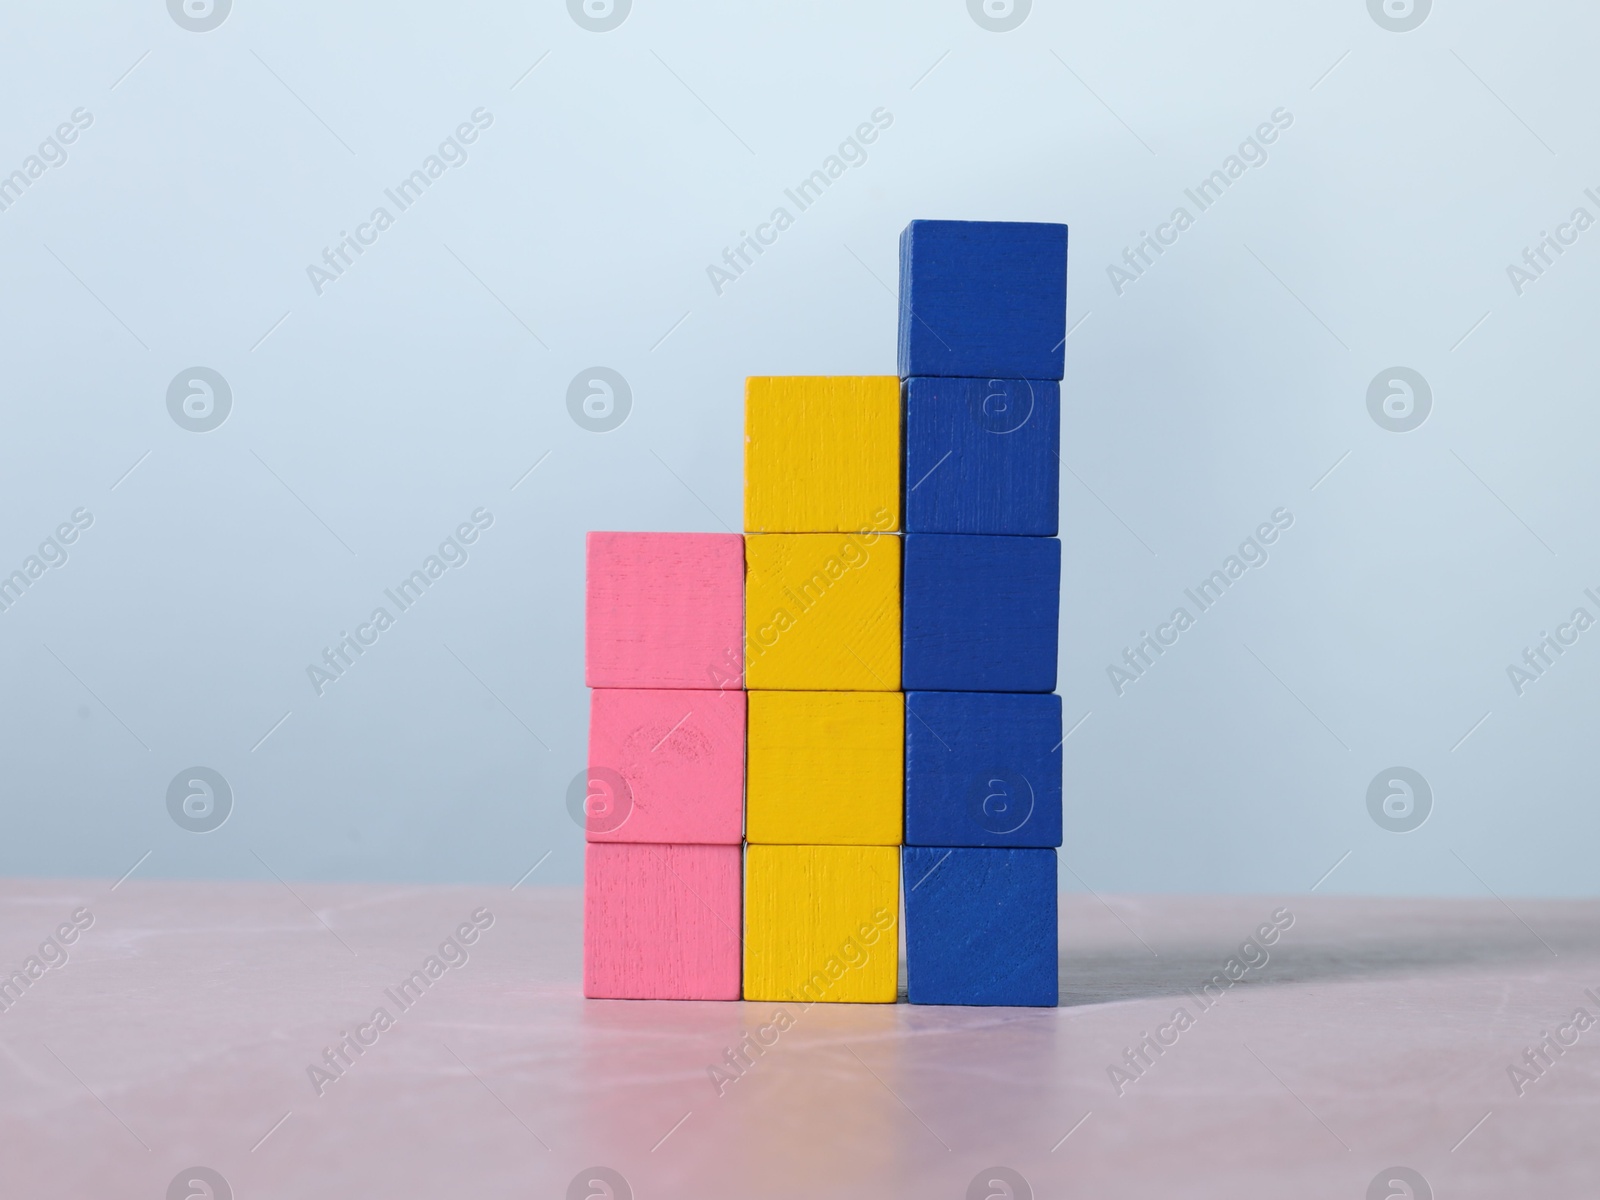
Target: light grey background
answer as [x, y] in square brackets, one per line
[369, 421]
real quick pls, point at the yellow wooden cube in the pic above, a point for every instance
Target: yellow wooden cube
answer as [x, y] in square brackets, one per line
[820, 923]
[821, 453]
[825, 768]
[822, 611]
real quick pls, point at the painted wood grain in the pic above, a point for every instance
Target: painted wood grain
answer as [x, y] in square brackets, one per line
[661, 922]
[981, 926]
[664, 610]
[821, 923]
[668, 764]
[982, 456]
[825, 767]
[983, 299]
[823, 611]
[983, 769]
[821, 454]
[981, 613]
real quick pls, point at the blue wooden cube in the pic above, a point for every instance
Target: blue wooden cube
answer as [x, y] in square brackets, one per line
[983, 769]
[980, 926]
[983, 298]
[979, 614]
[981, 455]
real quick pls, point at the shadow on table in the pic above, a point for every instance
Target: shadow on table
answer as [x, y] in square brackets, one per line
[1365, 942]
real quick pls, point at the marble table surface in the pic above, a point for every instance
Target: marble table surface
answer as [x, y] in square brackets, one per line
[188, 1042]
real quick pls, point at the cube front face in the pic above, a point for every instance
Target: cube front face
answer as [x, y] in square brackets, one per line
[820, 923]
[983, 769]
[983, 299]
[981, 926]
[664, 610]
[981, 613]
[823, 612]
[825, 768]
[671, 763]
[661, 922]
[981, 456]
[822, 454]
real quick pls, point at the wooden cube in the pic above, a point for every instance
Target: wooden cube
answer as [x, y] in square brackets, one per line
[981, 456]
[981, 613]
[823, 611]
[983, 298]
[665, 610]
[825, 768]
[675, 758]
[821, 454]
[820, 923]
[981, 926]
[983, 769]
[661, 922]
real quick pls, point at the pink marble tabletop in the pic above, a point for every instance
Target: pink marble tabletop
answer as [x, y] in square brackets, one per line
[222, 1040]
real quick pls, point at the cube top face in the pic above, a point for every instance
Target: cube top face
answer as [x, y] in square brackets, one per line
[820, 923]
[823, 611]
[821, 454]
[981, 926]
[983, 298]
[825, 768]
[981, 456]
[982, 614]
[983, 769]
[661, 922]
[666, 766]
[664, 610]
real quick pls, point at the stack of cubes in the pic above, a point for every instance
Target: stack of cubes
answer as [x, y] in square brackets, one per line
[664, 810]
[758, 781]
[827, 718]
[982, 329]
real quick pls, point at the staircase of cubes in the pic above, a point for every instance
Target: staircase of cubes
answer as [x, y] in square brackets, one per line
[848, 714]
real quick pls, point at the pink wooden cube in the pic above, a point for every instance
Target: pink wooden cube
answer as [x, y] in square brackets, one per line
[672, 761]
[661, 922]
[665, 610]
